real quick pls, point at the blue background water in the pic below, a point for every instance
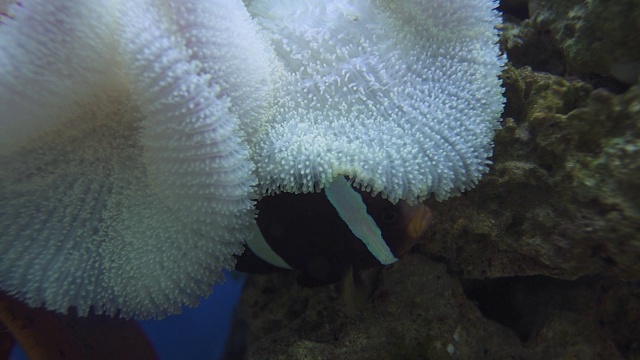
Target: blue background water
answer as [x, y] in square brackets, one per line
[201, 332]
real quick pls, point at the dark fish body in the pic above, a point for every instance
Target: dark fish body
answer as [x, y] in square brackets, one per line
[309, 234]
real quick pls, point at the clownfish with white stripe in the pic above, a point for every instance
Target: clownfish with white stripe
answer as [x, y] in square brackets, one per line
[328, 234]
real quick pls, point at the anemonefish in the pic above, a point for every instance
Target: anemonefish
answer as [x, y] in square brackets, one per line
[327, 234]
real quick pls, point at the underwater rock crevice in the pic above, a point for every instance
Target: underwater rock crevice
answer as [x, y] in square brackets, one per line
[535, 306]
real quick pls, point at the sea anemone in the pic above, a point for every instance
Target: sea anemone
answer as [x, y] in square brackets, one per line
[135, 134]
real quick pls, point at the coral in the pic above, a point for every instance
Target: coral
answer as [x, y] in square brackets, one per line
[584, 36]
[424, 312]
[562, 198]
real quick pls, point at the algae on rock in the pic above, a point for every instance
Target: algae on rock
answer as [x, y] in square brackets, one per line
[563, 196]
[594, 37]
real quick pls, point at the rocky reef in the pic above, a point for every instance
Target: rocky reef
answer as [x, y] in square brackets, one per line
[542, 258]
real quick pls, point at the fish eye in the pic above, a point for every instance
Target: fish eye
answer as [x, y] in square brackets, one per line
[389, 216]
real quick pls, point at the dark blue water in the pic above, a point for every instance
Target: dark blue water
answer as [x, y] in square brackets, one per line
[201, 332]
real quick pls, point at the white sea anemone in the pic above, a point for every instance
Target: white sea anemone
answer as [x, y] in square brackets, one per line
[125, 185]
[402, 96]
[133, 133]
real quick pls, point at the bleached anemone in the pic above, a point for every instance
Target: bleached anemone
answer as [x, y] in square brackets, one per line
[133, 133]
[402, 96]
[125, 185]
